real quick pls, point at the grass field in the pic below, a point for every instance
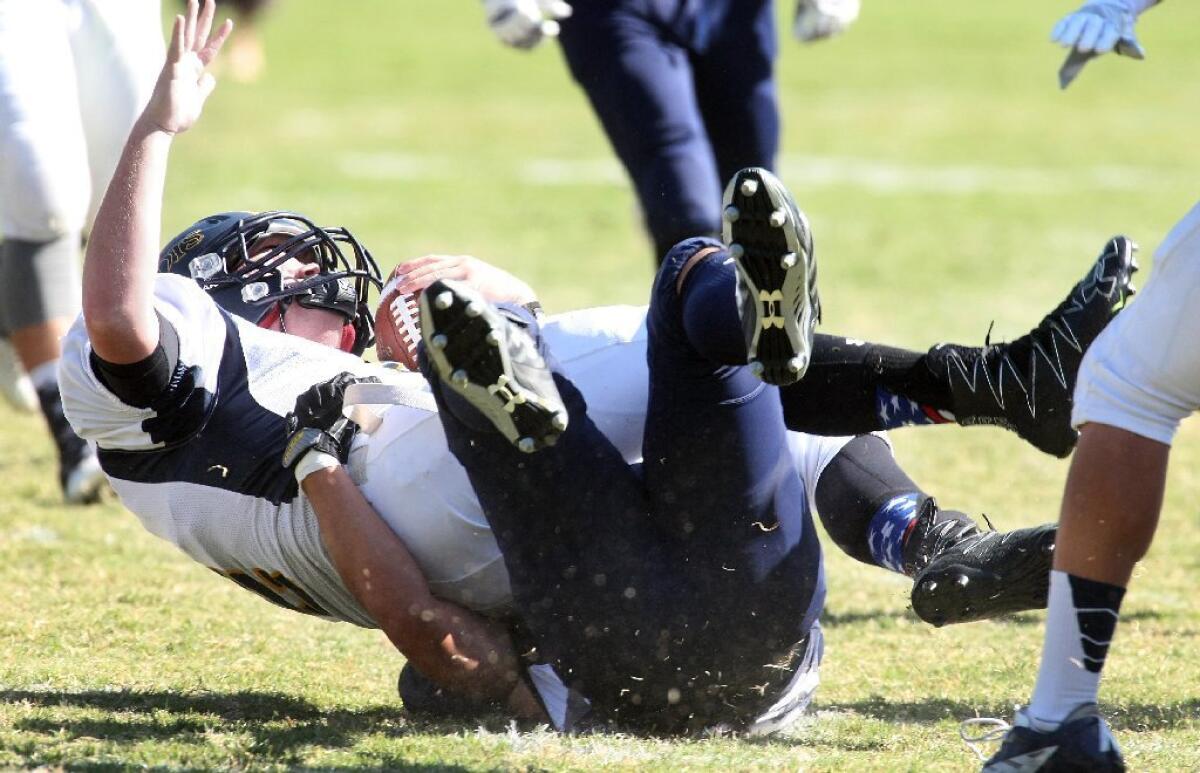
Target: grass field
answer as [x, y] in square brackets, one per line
[949, 183]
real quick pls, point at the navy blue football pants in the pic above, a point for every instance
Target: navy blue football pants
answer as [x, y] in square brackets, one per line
[665, 594]
[685, 91]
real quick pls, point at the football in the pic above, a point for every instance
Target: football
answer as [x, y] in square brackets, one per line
[397, 325]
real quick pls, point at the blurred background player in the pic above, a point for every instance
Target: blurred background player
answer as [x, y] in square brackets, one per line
[246, 57]
[685, 89]
[74, 74]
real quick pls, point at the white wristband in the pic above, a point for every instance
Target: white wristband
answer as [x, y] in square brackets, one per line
[314, 461]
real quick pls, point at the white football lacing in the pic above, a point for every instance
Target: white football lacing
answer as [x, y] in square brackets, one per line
[998, 729]
[406, 313]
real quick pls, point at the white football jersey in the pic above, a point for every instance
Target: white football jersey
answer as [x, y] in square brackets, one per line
[201, 468]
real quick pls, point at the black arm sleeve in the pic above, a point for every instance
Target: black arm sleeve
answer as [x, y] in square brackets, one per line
[140, 383]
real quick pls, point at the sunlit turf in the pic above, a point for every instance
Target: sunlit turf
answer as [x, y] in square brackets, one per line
[950, 184]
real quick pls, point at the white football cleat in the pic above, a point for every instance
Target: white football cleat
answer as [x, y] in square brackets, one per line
[14, 381]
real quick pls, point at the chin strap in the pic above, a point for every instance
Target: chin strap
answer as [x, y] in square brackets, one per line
[349, 338]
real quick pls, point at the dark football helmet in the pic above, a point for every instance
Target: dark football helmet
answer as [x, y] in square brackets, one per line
[216, 251]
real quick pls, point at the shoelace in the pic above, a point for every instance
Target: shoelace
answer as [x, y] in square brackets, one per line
[943, 538]
[998, 728]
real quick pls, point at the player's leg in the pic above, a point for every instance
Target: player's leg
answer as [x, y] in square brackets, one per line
[876, 514]
[1024, 385]
[639, 83]
[592, 579]
[1137, 383]
[735, 87]
[44, 192]
[118, 53]
[719, 471]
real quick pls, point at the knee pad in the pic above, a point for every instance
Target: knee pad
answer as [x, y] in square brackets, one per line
[41, 281]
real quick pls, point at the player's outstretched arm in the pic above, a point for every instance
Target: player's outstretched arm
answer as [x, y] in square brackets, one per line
[122, 254]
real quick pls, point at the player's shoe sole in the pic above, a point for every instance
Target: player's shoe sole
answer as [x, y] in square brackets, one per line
[771, 244]
[986, 575]
[493, 363]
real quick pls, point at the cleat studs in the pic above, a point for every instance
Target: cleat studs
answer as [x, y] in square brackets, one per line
[778, 218]
[493, 338]
[732, 214]
[796, 364]
[474, 309]
[749, 186]
[438, 341]
[757, 368]
[736, 251]
[787, 261]
[459, 378]
[444, 300]
[527, 445]
[559, 422]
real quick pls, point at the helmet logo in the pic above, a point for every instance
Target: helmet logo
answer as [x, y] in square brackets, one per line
[185, 245]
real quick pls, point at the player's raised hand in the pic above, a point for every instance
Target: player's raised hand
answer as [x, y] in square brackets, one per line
[185, 83]
[819, 19]
[1100, 26]
[525, 23]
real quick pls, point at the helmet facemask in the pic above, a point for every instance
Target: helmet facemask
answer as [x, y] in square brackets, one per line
[245, 279]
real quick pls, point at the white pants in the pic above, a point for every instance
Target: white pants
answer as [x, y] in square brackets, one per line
[74, 75]
[1142, 374]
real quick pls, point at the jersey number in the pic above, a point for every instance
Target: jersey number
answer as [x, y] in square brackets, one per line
[276, 588]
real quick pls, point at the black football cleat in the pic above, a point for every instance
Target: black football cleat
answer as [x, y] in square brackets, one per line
[492, 362]
[79, 474]
[985, 574]
[1027, 385]
[1081, 744]
[771, 244]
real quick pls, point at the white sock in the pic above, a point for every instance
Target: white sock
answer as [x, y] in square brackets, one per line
[45, 375]
[1080, 621]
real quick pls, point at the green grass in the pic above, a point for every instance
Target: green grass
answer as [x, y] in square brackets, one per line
[965, 188]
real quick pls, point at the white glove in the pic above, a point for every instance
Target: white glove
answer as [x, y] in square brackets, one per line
[524, 23]
[1100, 26]
[820, 19]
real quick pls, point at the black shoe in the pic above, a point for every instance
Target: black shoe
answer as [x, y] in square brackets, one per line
[1081, 744]
[771, 244]
[79, 474]
[935, 531]
[493, 362]
[1027, 385]
[986, 574]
